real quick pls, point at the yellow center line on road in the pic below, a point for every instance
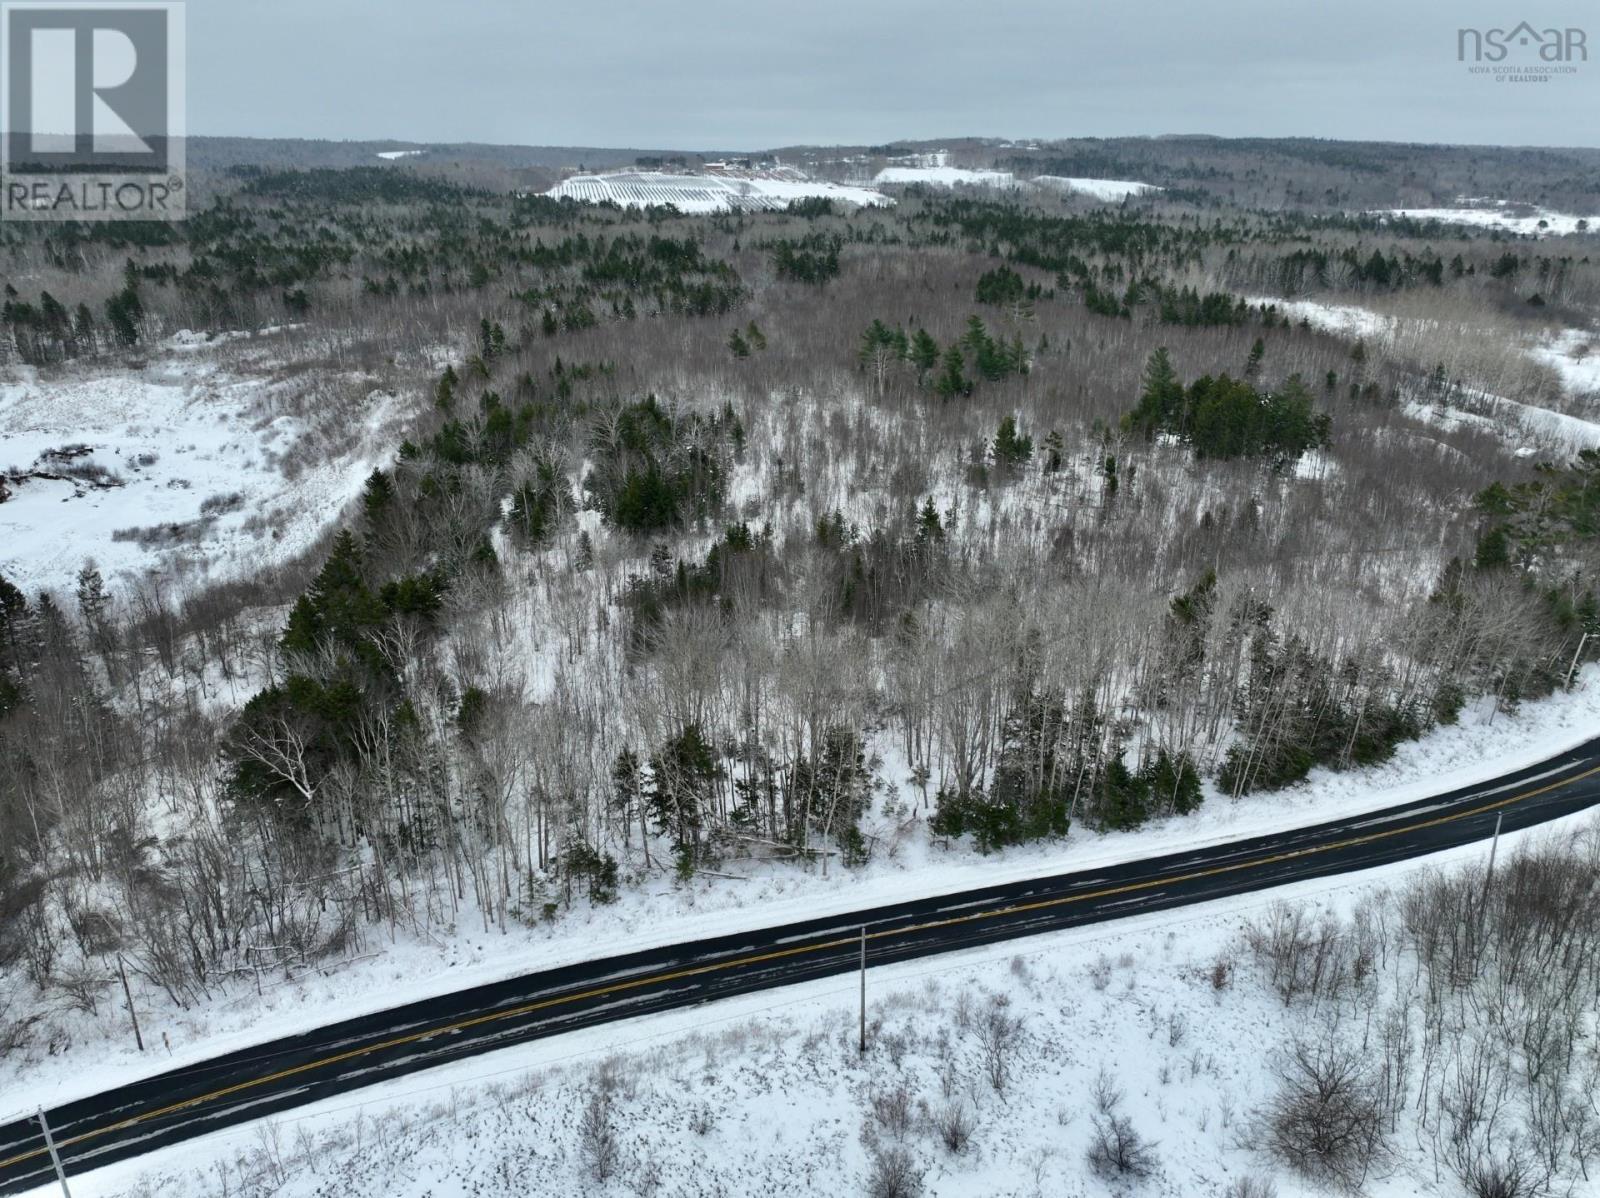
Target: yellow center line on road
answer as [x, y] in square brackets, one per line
[853, 940]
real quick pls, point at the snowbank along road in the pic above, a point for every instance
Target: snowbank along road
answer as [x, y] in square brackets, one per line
[286, 1073]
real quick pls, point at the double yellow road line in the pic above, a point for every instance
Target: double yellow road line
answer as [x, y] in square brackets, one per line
[622, 986]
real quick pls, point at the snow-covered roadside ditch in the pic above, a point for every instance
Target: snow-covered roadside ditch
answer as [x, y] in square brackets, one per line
[766, 1093]
[98, 1052]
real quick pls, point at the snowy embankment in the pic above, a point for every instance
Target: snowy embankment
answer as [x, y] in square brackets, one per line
[185, 468]
[1570, 354]
[706, 193]
[985, 1073]
[908, 864]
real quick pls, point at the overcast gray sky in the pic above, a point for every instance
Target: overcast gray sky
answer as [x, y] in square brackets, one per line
[745, 74]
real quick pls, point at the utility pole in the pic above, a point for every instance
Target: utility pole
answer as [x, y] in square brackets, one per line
[127, 994]
[1494, 848]
[55, 1157]
[862, 1046]
[1573, 668]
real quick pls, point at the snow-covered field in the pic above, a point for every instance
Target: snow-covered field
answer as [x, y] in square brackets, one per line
[755, 191]
[749, 894]
[392, 155]
[768, 1093]
[777, 188]
[1508, 218]
[188, 467]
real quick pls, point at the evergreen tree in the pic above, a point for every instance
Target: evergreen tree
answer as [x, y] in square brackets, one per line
[16, 654]
[881, 347]
[444, 393]
[682, 775]
[952, 379]
[930, 531]
[1252, 366]
[491, 339]
[1011, 449]
[1124, 799]
[376, 497]
[123, 314]
[1174, 783]
[1001, 286]
[1161, 399]
[924, 352]
[1053, 452]
[84, 331]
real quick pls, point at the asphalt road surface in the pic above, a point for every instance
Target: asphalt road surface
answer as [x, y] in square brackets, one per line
[283, 1074]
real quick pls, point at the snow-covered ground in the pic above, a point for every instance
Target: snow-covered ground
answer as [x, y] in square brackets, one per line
[1575, 356]
[1344, 320]
[187, 467]
[942, 175]
[392, 155]
[1532, 429]
[768, 1093]
[753, 191]
[1570, 354]
[1506, 217]
[1482, 745]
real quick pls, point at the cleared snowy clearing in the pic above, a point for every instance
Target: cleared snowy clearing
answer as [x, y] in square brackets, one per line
[1100, 189]
[1575, 355]
[710, 193]
[768, 1094]
[186, 468]
[1484, 744]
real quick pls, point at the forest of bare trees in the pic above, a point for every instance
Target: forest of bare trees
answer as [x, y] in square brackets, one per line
[773, 536]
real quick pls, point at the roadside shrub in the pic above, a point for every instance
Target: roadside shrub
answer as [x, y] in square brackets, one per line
[1326, 1120]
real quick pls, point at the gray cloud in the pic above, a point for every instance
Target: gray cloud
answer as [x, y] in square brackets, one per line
[748, 74]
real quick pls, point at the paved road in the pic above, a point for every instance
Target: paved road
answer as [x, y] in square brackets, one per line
[287, 1073]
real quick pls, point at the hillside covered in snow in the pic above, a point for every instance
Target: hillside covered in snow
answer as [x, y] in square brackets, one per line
[738, 191]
